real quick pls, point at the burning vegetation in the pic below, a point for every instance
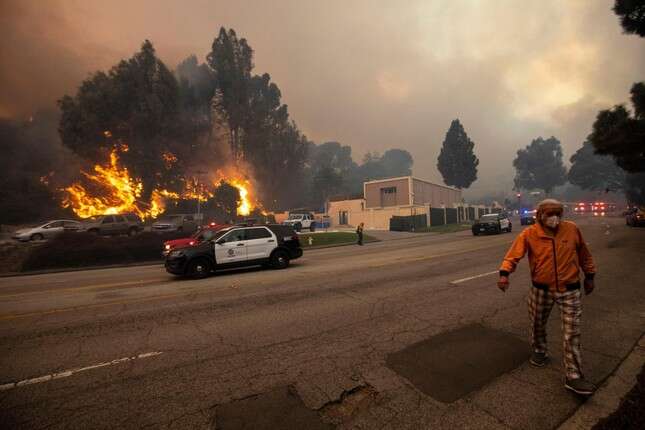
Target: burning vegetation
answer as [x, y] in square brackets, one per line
[111, 189]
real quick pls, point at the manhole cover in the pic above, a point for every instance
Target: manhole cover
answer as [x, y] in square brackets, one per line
[276, 409]
[452, 364]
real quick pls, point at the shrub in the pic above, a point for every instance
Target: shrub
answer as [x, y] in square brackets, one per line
[86, 249]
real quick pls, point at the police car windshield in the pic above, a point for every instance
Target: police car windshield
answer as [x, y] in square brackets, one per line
[219, 234]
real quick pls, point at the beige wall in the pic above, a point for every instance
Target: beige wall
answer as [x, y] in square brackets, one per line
[374, 218]
[370, 212]
[434, 194]
[373, 192]
[354, 209]
[379, 218]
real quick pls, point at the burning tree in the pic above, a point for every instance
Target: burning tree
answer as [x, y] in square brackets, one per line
[136, 103]
[216, 118]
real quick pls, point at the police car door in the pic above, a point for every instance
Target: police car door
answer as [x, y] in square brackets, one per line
[504, 222]
[260, 242]
[231, 248]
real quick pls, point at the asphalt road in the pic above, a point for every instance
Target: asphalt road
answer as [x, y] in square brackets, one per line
[136, 347]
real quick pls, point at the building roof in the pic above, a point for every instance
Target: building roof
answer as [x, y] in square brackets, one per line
[410, 177]
[340, 198]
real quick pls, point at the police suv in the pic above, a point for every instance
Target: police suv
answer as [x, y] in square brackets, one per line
[267, 245]
[492, 223]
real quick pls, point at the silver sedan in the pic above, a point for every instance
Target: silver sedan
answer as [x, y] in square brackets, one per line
[46, 230]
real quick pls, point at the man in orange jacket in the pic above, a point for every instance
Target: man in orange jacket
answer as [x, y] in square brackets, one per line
[557, 253]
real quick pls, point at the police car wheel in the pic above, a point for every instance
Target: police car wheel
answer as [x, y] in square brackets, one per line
[198, 269]
[279, 260]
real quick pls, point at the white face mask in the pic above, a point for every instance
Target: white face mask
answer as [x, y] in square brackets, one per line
[552, 221]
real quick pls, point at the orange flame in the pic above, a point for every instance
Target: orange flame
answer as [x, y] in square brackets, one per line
[236, 178]
[121, 194]
[169, 159]
[196, 191]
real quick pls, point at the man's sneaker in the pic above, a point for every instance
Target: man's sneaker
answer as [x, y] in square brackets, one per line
[580, 386]
[539, 359]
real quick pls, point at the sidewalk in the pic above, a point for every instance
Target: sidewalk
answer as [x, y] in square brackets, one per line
[393, 235]
[610, 395]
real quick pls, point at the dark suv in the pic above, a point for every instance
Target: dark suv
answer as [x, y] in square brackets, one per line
[267, 245]
[111, 225]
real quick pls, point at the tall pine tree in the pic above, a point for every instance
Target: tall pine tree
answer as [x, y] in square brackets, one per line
[457, 162]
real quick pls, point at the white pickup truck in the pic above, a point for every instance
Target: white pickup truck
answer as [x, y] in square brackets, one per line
[299, 221]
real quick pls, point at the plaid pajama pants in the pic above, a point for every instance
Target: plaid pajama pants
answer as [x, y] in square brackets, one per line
[540, 305]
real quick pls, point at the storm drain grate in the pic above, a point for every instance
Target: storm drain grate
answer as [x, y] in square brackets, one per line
[453, 364]
[277, 409]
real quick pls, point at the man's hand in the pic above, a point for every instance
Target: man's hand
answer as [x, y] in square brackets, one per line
[589, 286]
[502, 284]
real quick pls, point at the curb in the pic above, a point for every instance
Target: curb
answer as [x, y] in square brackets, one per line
[314, 247]
[79, 269]
[153, 263]
[606, 400]
[141, 264]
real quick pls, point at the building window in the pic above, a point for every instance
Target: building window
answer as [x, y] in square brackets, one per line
[388, 196]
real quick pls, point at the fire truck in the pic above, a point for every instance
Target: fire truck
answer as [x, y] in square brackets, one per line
[594, 208]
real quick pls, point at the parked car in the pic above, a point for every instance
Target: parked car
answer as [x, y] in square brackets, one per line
[111, 225]
[527, 217]
[267, 245]
[492, 223]
[635, 217]
[299, 221]
[46, 230]
[178, 222]
[201, 235]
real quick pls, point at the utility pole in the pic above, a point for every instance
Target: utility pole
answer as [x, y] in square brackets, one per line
[199, 188]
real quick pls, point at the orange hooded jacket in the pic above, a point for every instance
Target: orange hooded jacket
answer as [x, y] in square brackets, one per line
[555, 260]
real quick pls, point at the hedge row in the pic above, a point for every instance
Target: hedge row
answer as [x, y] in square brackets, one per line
[86, 249]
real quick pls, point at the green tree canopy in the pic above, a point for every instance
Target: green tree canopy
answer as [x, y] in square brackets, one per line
[632, 15]
[397, 162]
[196, 86]
[261, 132]
[231, 59]
[457, 161]
[135, 103]
[621, 134]
[539, 165]
[394, 162]
[225, 201]
[591, 171]
[326, 182]
[331, 171]
[635, 188]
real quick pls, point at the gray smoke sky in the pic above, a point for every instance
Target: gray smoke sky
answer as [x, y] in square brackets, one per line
[366, 73]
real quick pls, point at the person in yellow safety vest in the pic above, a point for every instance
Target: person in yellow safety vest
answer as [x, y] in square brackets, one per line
[359, 232]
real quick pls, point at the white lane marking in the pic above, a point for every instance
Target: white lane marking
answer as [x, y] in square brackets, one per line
[70, 372]
[459, 281]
